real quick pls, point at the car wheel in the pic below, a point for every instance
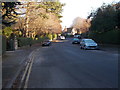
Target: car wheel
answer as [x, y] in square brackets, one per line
[80, 47]
[84, 48]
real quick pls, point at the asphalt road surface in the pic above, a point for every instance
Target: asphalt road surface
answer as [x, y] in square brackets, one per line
[64, 65]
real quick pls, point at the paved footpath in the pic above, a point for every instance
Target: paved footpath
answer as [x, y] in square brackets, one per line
[110, 48]
[11, 62]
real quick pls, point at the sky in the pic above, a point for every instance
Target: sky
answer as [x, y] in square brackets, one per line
[79, 8]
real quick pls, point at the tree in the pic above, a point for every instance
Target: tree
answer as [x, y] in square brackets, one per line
[43, 17]
[80, 24]
[117, 5]
[19, 26]
[7, 31]
[105, 18]
[53, 7]
[8, 12]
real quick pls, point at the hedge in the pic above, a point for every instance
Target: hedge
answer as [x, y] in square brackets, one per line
[23, 41]
[110, 37]
[3, 40]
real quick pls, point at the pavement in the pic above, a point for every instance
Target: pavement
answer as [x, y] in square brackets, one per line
[12, 61]
[111, 48]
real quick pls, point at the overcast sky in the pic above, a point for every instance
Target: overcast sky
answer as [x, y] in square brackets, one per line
[79, 8]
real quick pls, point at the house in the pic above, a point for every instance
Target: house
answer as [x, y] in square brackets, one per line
[71, 31]
[74, 31]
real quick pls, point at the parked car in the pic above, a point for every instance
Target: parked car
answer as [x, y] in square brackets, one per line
[77, 36]
[88, 44]
[62, 37]
[76, 41]
[46, 43]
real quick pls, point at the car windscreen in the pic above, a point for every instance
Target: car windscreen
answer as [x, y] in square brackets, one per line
[76, 39]
[89, 41]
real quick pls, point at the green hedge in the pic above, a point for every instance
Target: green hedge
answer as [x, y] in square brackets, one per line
[3, 44]
[38, 40]
[23, 41]
[110, 37]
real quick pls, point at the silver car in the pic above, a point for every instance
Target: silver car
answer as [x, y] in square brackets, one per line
[88, 44]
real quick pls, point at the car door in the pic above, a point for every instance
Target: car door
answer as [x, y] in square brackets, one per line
[83, 43]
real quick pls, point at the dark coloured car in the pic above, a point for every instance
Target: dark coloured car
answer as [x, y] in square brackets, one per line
[46, 43]
[76, 41]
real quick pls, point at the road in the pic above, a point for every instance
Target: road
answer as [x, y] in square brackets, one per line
[64, 65]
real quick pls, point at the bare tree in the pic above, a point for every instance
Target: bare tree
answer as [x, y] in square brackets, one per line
[19, 25]
[41, 21]
[80, 24]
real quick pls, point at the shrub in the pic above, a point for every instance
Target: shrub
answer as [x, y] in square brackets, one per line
[7, 31]
[50, 36]
[54, 36]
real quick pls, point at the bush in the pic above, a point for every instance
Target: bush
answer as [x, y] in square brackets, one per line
[54, 36]
[50, 36]
[7, 31]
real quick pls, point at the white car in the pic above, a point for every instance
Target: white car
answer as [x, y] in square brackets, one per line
[62, 37]
[88, 44]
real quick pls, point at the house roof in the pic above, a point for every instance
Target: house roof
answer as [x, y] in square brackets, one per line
[69, 30]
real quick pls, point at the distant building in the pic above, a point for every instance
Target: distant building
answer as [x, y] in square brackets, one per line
[71, 31]
[74, 31]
